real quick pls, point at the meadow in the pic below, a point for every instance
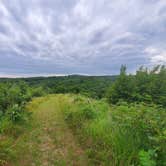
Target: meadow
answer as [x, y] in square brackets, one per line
[120, 121]
[122, 134]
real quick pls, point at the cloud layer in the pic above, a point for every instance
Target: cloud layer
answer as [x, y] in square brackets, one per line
[80, 36]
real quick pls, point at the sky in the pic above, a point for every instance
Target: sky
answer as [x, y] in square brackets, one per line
[92, 37]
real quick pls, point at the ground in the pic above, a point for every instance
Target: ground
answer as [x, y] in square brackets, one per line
[48, 141]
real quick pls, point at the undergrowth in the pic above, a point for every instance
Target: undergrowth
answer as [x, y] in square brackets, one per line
[122, 134]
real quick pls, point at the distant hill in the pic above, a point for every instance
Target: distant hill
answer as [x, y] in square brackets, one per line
[94, 86]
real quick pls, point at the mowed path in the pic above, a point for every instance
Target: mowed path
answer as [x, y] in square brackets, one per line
[48, 141]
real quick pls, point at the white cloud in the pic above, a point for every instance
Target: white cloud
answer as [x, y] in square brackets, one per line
[156, 55]
[75, 34]
[160, 58]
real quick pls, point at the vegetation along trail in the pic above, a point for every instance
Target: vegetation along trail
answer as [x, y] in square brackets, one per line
[48, 141]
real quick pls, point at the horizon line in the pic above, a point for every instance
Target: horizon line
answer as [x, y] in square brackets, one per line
[13, 76]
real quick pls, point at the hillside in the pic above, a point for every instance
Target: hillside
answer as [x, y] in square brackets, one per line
[94, 86]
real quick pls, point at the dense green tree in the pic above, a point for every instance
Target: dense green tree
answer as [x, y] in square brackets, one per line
[13, 97]
[147, 86]
[122, 88]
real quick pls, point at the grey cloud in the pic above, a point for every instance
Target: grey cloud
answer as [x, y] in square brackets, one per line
[80, 36]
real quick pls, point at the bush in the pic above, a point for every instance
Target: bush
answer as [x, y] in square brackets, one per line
[123, 134]
[15, 113]
[148, 86]
[13, 98]
[146, 158]
[38, 92]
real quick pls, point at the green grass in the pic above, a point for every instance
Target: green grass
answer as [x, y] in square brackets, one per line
[46, 140]
[118, 135]
[75, 130]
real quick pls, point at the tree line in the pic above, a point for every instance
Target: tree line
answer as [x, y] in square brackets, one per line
[147, 85]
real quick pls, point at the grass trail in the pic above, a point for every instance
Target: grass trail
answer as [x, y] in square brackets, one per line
[48, 141]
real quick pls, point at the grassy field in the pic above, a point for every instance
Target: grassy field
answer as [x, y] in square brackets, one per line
[117, 135]
[78, 131]
[47, 141]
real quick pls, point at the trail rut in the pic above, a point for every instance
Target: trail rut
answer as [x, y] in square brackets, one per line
[49, 141]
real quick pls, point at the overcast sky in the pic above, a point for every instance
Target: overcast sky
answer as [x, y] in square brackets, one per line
[47, 37]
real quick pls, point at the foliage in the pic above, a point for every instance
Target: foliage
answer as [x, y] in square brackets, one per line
[147, 86]
[132, 131]
[146, 158]
[13, 115]
[13, 97]
[123, 134]
[93, 86]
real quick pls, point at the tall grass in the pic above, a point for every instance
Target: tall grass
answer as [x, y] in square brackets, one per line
[120, 134]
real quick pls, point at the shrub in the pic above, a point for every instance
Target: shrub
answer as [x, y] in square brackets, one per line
[15, 113]
[123, 134]
[146, 158]
[147, 86]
